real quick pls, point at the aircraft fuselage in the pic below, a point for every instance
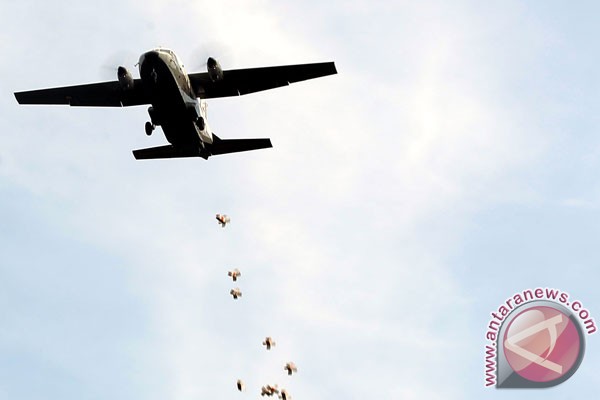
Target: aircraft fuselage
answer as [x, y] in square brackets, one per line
[174, 105]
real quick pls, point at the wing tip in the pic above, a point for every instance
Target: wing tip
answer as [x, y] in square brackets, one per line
[19, 97]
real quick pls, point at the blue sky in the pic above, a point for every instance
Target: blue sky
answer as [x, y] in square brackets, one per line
[451, 163]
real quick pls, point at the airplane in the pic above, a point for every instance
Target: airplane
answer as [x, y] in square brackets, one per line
[178, 100]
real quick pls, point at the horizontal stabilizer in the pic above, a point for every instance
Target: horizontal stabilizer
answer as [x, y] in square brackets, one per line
[167, 151]
[218, 146]
[224, 146]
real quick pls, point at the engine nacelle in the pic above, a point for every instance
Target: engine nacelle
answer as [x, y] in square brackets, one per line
[214, 69]
[125, 78]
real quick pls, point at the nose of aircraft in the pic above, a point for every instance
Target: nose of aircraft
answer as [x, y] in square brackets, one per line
[152, 54]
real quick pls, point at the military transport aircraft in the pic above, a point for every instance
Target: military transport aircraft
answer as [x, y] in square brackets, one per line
[173, 95]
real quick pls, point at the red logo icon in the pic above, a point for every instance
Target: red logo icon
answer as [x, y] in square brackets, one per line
[542, 344]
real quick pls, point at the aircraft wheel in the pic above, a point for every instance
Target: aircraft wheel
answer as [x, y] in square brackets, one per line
[149, 128]
[200, 123]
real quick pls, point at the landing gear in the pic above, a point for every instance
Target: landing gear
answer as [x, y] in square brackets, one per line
[200, 123]
[149, 128]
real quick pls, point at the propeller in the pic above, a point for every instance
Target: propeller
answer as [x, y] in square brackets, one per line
[199, 57]
[116, 60]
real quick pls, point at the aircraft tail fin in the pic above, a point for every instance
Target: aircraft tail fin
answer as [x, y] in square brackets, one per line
[225, 146]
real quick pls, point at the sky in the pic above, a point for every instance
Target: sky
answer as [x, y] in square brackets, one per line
[452, 162]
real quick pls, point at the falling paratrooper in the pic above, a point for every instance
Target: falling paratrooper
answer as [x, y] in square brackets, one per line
[235, 293]
[290, 367]
[269, 342]
[223, 219]
[234, 274]
[269, 390]
[240, 385]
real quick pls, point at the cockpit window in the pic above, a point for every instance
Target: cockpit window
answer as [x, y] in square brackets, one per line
[169, 52]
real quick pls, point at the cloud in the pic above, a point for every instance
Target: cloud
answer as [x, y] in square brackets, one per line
[343, 231]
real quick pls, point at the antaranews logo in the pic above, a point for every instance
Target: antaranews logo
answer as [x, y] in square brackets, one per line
[536, 339]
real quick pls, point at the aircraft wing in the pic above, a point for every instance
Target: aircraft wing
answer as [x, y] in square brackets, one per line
[237, 82]
[103, 94]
